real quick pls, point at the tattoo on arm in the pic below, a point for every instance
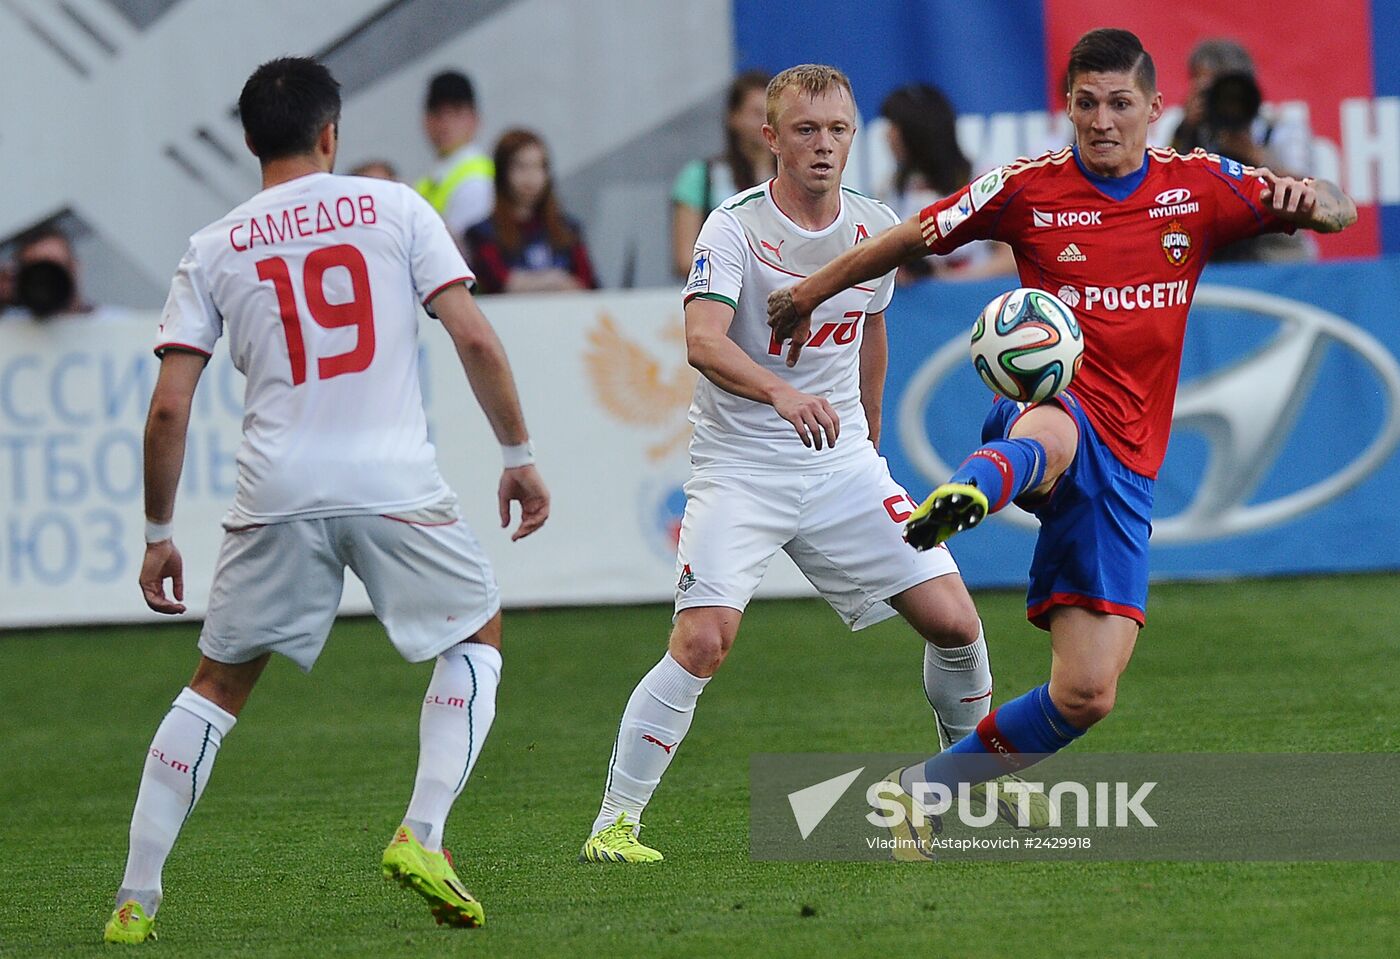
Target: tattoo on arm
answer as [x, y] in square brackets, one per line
[1334, 210]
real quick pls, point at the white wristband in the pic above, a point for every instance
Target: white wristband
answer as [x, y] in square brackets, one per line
[521, 454]
[157, 532]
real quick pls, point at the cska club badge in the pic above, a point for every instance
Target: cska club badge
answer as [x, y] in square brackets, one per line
[1176, 243]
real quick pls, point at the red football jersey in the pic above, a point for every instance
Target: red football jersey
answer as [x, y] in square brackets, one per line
[1125, 254]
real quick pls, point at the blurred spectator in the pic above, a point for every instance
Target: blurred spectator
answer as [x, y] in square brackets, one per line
[527, 245]
[746, 160]
[7, 286]
[46, 280]
[1223, 116]
[930, 165]
[460, 185]
[379, 169]
[1223, 113]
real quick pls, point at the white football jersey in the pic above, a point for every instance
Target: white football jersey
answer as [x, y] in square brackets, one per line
[747, 249]
[319, 282]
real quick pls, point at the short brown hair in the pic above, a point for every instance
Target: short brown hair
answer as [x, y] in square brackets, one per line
[809, 78]
[1112, 51]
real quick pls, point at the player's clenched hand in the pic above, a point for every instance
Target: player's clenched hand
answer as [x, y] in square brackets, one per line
[1288, 197]
[163, 562]
[788, 322]
[812, 417]
[524, 486]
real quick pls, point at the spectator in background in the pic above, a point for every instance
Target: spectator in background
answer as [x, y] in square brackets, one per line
[7, 286]
[1223, 115]
[459, 187]
[929, 165]
[746, 160]
[527, 245]
[379, 169]
[46, 280]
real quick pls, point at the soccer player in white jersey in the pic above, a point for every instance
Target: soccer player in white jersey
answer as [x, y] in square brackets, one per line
[786, 458]
[317, 281]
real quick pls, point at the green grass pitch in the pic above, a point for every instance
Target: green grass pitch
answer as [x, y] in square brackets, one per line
[280, 858]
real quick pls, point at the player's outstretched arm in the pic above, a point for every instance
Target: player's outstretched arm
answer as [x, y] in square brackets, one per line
[167, 424]
[790, 309]
[720, 360]
[488, 371]
[1315, 204]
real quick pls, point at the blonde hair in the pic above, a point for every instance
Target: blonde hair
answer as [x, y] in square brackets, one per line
[808, 78]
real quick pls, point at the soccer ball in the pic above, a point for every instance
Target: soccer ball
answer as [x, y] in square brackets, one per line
[1026, 345]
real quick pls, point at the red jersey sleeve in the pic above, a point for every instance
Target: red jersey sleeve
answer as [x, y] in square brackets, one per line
[1239, 213]
[972, 213]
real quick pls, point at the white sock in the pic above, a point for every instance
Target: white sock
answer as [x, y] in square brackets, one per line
[958, 684]
[653, 724]
[457, 714]
[177, 769]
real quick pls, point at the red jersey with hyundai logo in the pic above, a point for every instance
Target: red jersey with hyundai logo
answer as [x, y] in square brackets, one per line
[1125, 253]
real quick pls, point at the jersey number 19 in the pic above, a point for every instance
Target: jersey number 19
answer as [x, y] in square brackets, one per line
[358, 311]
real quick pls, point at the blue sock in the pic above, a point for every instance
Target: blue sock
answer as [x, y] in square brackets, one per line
[1003, 469]
[1016, 734]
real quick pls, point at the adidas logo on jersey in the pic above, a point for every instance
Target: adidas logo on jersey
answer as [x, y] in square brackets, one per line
[1071, 254]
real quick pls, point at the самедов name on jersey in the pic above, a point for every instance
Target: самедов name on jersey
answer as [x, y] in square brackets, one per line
[302, 220]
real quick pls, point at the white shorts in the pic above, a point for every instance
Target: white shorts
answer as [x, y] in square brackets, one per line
[844, 530]
[277, 587]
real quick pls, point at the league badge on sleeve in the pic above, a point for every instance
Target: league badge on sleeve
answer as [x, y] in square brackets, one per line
[699, 281]
[951, 218]
[1232, 168]
[985, 187]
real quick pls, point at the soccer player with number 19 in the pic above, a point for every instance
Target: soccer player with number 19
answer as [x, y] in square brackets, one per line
[317, 282]
[1121, 233]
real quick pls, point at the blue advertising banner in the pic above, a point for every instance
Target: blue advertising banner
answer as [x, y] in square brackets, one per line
[1282, 457]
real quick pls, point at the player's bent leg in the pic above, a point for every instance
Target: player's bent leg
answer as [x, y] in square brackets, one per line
[1039, 446]
[458, 710]
[702, 638]
[178, 764]
[1091, 650]
[958, 677]
[228, 684]
[657, 717]
[1055, 431]
[940, 610]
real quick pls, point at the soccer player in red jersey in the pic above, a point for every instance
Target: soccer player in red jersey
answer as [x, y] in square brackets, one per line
[1120, 232]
